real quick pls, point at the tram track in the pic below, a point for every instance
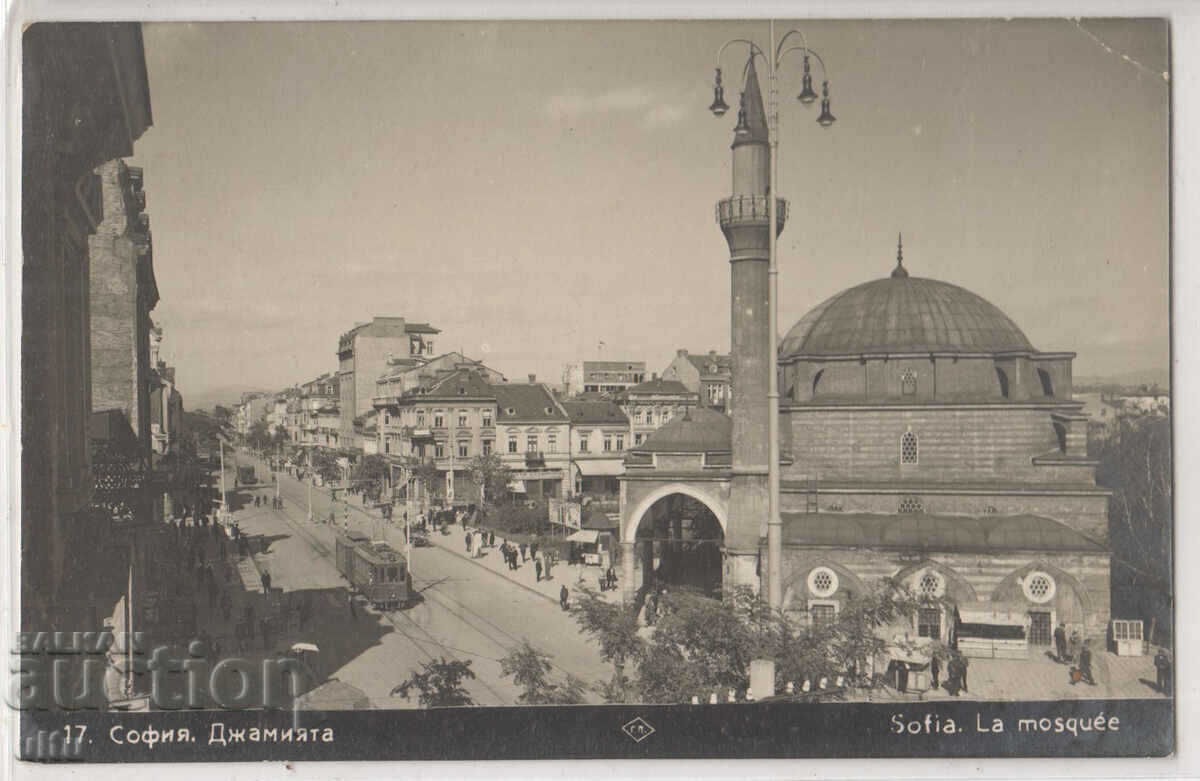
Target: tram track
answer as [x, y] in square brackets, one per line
[398, 619]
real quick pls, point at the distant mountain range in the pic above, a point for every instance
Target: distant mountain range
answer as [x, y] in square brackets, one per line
[1130, 379]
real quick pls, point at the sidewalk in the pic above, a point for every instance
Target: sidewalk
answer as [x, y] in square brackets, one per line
[369, 521]
[570, 575]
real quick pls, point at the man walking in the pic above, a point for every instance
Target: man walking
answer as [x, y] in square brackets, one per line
[1060, 642]
[1162, 668]
[467, 540]
[266, 581]
[562, 597]
[537, 568]
[524, 550]
[1085, 663]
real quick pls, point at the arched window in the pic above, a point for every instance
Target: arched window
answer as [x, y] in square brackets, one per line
[1047, 386]
[817, 381]
[1003, 378]
[908, 382]
[910, 505]
[909, 451]
[1039, 587]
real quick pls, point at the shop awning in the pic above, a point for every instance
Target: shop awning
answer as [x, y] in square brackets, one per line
[608, 467]
[587, 536]
[996, 613]
[516, 486]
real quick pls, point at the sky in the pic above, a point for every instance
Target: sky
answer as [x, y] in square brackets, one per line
[537, 189]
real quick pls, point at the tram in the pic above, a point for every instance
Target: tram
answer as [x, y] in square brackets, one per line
[374, 569]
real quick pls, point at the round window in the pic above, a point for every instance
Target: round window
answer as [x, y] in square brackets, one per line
[930, 584]
[822, 582]
[1039, 587]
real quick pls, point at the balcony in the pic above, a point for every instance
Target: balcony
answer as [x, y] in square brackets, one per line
[749, 210]
[534, 459]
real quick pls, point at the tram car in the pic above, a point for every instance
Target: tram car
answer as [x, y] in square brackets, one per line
[374, 569]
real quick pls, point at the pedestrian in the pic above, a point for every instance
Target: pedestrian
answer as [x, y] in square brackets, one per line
[266, 581]
[1060, 642]
[467, 539]
[524, 551]
[934, 670]
[537, 567]
[1162, 668]
[562, 597]
[1073, 645]
[611, 577]
[491, 539]
[265, 626]
[953, 678]
[1085, 664]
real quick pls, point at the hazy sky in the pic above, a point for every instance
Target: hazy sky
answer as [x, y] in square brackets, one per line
[533, 189]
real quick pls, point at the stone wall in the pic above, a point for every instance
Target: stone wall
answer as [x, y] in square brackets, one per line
[1081, 579]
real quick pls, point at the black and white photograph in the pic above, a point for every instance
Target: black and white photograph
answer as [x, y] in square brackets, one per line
[581, 389]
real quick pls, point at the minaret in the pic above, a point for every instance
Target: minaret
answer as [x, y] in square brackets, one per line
[744, 220]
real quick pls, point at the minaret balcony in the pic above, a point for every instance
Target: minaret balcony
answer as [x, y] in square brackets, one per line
[750, 210]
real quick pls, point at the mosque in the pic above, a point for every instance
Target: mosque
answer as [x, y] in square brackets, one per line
[922, 438]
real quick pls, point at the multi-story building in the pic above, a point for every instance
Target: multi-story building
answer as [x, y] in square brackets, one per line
[404, 374]
[123, 292]
[364, 353]
[166, 403]
[709, 375]
[600, 435]
[603, 377]
[310, 413]
[533, 438]
[447, 421]
[653, 403]
[85, 101]
[251, 409]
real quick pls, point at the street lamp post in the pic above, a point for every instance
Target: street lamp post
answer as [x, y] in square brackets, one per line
[825, 119]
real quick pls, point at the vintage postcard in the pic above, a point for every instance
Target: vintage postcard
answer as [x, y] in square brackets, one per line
[593, 389]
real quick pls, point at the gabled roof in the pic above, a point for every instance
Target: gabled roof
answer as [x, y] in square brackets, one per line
[724, 363]
[529, 403]
[659, 387]
[461, 384]
[595, 412]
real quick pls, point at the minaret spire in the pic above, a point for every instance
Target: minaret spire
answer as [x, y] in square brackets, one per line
[899, 272]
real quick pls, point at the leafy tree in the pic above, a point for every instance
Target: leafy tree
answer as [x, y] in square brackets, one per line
[529, 668]
[326, 465]
[369, 474]
[1135, 464]
[200, 429]
[224, 416]
[615, 627]
[425, 473]
[491, 475]
[439, 684]
[259, 436]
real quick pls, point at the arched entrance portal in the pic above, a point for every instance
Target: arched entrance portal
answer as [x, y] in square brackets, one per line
[678, 542]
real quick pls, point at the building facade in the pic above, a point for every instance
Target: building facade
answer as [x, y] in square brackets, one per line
[651, 404]
[533, 436]
[708, 375]
[364, 353]
[600, 435]
[86, 101]
[923, 439]
[602, 377]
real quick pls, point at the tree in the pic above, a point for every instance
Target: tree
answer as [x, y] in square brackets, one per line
[224, 416]
[425, 473]
[326, 465]
[615, 627]
[369, 474]
[259, 436]
[491, 475]
[439, 684]
[530, 668]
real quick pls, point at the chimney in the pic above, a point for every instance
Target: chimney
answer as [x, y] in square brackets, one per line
[681, 353]
[532, 379]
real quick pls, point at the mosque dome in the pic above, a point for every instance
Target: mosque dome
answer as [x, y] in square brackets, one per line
[902, 314]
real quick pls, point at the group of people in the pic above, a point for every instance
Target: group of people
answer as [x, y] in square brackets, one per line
[261, 501]
[608, 579]
[1075, 650]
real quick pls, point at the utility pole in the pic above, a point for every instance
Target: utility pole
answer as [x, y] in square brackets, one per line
[221, 509]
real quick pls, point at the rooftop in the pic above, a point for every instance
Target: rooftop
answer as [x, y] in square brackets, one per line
[595, 412]
[700, 430]
[659, 387]
[526, 403]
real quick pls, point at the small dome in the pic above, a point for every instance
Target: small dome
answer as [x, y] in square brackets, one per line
[700, 430]
[903, 314]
